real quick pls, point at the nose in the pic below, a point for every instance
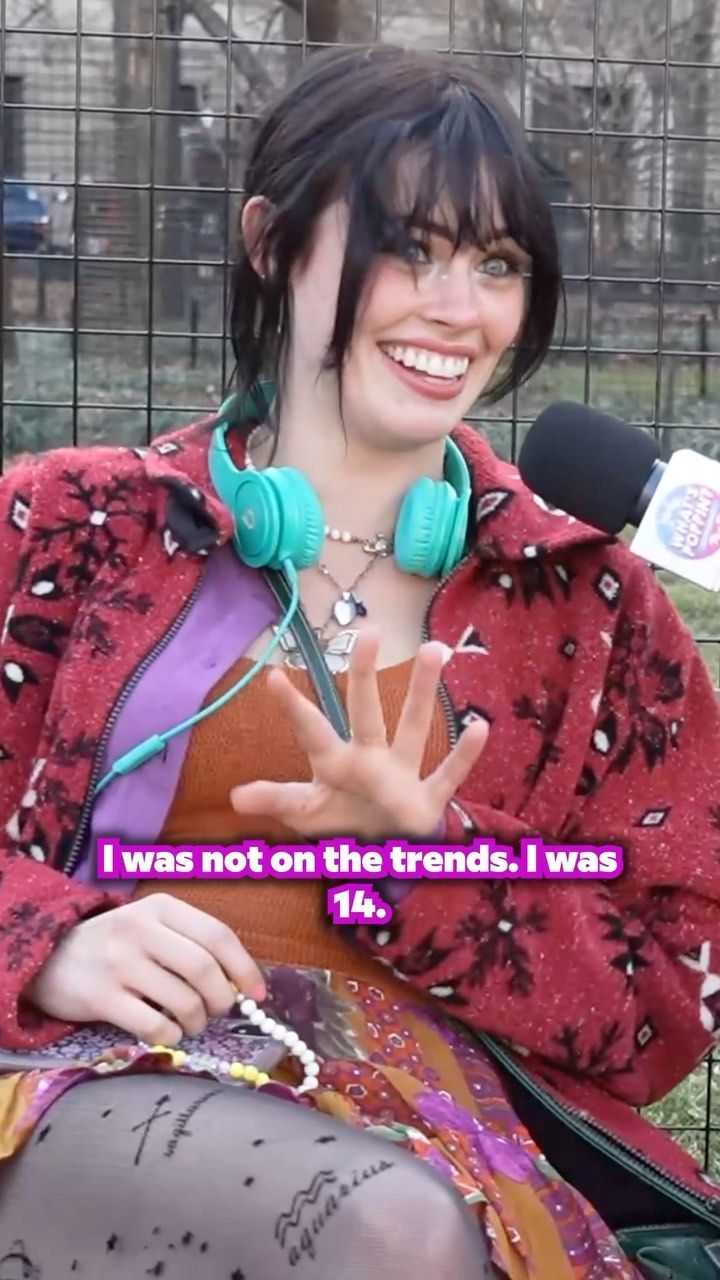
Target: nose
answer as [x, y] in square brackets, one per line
[452, 295]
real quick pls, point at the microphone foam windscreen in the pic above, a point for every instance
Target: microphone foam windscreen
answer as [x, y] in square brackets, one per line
[589, 464]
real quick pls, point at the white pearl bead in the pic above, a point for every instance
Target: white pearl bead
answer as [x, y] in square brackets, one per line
[279, 1032]
[335, 535]
[312, 1069]
[298, 1048]
[309, 1083]
[248, 1006]
[257, 1017]
[345, 536]
[307, 1056]
[267, 1026]
[292, 1039]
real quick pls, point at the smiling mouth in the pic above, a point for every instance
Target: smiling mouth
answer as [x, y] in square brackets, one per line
[431, 364]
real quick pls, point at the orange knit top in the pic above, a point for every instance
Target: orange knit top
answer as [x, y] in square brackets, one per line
[281, 921]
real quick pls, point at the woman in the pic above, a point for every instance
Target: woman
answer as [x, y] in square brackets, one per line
[397, 263]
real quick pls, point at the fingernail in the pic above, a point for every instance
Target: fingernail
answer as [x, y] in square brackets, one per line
[256, 989]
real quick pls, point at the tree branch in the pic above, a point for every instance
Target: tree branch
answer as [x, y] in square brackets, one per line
[244, 60]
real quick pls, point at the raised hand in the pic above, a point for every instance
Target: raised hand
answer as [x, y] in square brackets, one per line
[366, 788]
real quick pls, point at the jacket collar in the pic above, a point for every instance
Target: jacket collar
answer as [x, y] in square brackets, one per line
[510, 523]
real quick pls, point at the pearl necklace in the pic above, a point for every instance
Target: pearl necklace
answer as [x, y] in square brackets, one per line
[243, 1072]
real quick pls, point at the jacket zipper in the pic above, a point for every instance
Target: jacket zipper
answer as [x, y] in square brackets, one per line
[444, 695]
[76, 848]
[635, 1162]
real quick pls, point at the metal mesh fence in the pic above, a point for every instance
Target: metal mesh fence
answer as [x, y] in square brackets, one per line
[124, 126]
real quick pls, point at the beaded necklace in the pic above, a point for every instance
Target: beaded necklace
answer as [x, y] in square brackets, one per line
[241, 1072]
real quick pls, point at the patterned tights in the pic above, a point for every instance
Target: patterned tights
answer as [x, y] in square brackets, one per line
[191, 1180]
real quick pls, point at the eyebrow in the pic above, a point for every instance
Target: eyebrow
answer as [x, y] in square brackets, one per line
[498, 237]
[442, 230]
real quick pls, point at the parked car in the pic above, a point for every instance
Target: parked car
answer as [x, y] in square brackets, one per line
[27, 221]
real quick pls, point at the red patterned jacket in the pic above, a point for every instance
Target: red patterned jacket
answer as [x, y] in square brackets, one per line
[604, 725]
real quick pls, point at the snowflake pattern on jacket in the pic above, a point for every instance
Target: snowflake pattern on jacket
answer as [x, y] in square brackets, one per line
[603, 727]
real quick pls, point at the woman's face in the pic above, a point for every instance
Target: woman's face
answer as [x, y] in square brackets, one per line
[427, 339]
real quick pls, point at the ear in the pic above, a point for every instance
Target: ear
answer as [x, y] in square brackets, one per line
[254, 222]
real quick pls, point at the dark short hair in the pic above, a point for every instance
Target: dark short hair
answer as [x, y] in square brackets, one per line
[342, 130]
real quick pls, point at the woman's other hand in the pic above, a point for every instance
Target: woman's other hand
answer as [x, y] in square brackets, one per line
[157, 968]
[366, 788]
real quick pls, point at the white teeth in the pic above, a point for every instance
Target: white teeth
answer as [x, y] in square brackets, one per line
[429, 361]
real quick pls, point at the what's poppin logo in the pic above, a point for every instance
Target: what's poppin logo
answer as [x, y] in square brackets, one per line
[688, 521]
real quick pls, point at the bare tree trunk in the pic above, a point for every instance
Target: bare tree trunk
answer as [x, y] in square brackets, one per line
[243, 58]
[132, 70]
[330, 22]
[690, 116]
[167, 160]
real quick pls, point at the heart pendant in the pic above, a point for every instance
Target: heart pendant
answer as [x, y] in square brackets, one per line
[345, 609]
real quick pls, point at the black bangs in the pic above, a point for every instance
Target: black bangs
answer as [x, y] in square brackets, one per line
[410, 141]
[453, 172]
[457, 174]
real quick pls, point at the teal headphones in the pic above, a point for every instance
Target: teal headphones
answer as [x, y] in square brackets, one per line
[279, 524]
[278, 517]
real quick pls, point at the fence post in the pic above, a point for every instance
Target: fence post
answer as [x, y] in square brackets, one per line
[41, 288]
[703, 348]
[194, 326]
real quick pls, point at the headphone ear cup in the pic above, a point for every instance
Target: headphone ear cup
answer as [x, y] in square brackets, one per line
[458, 536]
[256, 514]
[278, 517]
[276, 512]
[425, 526]
[302, 523]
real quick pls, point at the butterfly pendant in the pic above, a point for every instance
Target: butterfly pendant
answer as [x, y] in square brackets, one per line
[336, 651]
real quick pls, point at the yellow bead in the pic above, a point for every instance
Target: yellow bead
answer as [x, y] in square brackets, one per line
[160, 1048]
[237, 1070]
[251, 1074]
[263, 1078]
[179, 1057]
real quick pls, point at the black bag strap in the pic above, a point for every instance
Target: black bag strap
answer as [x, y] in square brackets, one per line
[324, 685]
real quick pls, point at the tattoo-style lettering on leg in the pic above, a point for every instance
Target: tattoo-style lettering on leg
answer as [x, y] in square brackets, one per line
[299, 1227]
[180, 1127]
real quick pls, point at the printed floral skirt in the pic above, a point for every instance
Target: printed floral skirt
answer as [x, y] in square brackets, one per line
[395, 1069]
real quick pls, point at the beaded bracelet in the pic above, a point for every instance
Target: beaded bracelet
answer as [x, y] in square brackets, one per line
[243, 1072]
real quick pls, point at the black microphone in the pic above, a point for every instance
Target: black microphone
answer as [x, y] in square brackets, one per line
[608, 475]
[591, 465]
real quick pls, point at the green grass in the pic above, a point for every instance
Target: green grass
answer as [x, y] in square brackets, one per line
[686, 1113]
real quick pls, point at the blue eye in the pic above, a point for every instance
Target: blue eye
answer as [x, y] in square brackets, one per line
[498, 267]
[416, 252]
